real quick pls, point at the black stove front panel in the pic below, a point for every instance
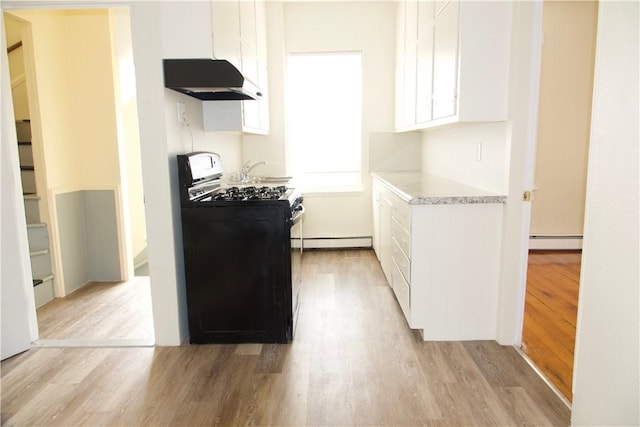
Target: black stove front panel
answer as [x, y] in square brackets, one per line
[238, 273]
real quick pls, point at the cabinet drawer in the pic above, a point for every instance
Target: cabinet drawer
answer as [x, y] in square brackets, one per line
[401, 236]
[401, 211]
[403, 292]
[401, 260]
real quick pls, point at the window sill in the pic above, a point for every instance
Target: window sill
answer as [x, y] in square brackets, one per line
[332, 191]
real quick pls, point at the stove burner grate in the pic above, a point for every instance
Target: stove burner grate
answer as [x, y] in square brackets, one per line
[250, 193]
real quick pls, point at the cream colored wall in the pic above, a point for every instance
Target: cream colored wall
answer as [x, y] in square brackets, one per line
[564, 117]
[127, 130]
[16, 69]
[74, 81]
[52, 89]
[92, 92]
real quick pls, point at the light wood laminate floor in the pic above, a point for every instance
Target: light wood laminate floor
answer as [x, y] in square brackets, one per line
[100, 311]
[353, 362]
[551, 310]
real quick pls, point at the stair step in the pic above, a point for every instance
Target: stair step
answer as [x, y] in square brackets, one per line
[25, 154]
[23, 130]
[40, 263]
[43, 292]
[31, 208]
[42, 279]
[28, 180]
[38, 237]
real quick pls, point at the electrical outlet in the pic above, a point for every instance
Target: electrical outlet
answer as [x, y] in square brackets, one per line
[479, 151]
[182, 113]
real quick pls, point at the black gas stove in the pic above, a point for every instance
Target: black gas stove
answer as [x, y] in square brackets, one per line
[241, 268]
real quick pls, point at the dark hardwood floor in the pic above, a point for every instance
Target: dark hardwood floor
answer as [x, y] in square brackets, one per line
[551, 309]
[353, 362]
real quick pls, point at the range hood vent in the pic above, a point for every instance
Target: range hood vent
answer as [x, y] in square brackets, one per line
[208, 80]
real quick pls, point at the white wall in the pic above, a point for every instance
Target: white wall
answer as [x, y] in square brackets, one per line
[453, 153]
[319, 27]
[606, 379]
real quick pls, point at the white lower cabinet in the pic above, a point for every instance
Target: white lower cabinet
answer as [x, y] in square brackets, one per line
[442, 262]
[403, 293]
[385, 237]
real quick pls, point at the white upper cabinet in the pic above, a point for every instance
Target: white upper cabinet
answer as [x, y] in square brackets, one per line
[400, 78]
[424, 62]
[188, 27]
[459, 72]
[225, 24]
[239, 36]
[410, 60]
[249, 40]
[445, 61]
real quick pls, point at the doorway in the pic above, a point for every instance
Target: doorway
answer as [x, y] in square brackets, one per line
[557, 212]
[80, 109]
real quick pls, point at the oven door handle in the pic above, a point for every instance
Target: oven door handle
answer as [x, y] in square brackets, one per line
[298, 215]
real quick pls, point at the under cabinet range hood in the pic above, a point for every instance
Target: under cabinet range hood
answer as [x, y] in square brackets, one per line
[208, 79]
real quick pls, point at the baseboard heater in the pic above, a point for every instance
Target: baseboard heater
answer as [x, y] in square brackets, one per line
[561, 242]
[337, 242]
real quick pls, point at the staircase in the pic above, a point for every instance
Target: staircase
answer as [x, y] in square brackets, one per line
[37, 232]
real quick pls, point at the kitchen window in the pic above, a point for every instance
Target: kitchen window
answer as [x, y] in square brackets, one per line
[324, 120]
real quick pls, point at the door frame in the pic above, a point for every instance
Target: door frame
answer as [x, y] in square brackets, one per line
[25, 288]
[526, 54]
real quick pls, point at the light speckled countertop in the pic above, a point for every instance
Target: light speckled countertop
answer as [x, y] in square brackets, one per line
[419, 188]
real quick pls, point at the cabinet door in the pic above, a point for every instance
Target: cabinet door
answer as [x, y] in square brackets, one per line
[225, 22]
[445, 61]
[375, 202]
[424, 63]
[386, 257]
[400, 36]
[410, 58]
[263, 103]
[249, 40]
[248, 23]
[263, 77]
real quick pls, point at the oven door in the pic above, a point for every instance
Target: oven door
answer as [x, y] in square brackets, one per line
[296, 264]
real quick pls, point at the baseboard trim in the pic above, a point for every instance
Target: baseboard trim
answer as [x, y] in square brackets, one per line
[555, 242]
[337, 242]
[97, 343]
